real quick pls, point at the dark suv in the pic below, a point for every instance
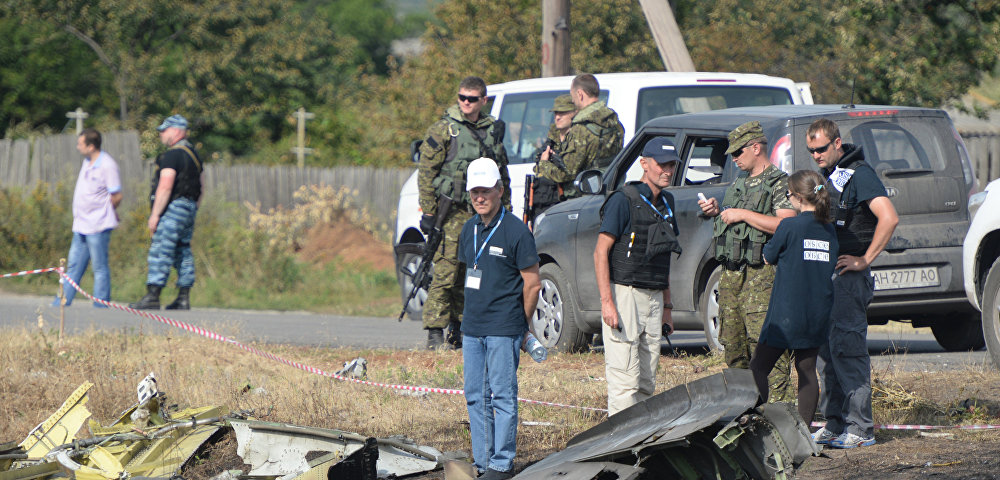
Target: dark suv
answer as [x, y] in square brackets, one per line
[916, 152]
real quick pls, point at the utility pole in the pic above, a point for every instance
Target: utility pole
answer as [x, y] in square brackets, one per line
[79, 115]
[667, 35]
[555, 38]
[301, 115]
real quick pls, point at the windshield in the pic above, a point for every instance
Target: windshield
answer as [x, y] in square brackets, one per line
[661, 101]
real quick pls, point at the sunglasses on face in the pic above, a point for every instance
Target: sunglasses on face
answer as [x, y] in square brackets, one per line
[739, 152]
[468, 98]
[788, 194]
[820, 149]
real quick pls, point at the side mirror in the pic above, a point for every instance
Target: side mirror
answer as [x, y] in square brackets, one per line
[415, 150]
[590, 182]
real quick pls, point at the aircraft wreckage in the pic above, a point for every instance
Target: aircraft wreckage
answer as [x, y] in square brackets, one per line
[709, 428]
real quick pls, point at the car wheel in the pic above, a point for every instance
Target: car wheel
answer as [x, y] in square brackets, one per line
[555, 316]
[409, 263]
[959, 333]
[991, 314]
[709, 306]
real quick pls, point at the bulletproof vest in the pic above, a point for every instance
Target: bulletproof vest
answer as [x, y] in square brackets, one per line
[465, 144]
[187, 184]
[855, 224]
[739, 243]
[641, 257]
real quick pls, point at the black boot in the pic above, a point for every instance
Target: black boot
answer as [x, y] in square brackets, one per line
[182, 302]
[149, 301]
[455, 334]
[435, 338]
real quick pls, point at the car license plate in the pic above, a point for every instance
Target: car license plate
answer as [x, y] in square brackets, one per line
[895, 278]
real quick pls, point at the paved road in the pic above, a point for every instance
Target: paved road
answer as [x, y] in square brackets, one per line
[909, 351]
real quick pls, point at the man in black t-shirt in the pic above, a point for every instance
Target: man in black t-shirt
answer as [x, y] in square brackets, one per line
[175, 190]
[864, 219]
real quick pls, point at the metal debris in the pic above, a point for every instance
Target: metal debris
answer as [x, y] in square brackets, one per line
[708, 428]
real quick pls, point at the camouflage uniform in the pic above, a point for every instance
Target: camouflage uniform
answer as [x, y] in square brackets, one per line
[593, 140]
[444, 157]
[745, 284]
[548, 169]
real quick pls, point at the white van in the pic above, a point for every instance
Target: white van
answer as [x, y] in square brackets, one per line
[525, 107]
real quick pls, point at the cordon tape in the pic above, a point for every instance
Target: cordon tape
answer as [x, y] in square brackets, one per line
[215, 336]
[447, 391]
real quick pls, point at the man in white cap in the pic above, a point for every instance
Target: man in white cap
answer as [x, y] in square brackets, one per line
[632, 264]
[176, 188]
[501, 292]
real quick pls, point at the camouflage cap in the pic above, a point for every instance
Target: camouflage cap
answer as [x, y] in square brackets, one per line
[744, 134]
[563, 103]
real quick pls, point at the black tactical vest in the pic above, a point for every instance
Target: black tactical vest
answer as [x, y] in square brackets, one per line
[641, 258]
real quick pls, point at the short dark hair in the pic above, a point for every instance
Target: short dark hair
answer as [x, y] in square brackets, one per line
[91, 137]
[473, 83]
[587, 83]
[825, 125]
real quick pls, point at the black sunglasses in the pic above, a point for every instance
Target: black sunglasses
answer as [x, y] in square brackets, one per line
[788, 194]
[739, 151]
[820, 149]
[468, 98]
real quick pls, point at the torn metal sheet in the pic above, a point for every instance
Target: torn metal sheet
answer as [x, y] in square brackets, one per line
[708, 428]
[153, 444]
[60, 427]
[284, 451]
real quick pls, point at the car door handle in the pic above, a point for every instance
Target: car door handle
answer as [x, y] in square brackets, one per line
[573, 216]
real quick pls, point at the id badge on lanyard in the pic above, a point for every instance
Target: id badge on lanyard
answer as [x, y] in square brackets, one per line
[473, 275]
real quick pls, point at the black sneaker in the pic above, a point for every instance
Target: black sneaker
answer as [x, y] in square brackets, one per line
[495, 475]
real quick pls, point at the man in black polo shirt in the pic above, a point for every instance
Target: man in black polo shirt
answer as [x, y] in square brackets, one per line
[638, 233]
[501, 291]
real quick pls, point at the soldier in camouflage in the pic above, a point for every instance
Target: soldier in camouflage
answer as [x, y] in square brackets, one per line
[751, 209]
[593, 139]
[563, 112]
[463, 134]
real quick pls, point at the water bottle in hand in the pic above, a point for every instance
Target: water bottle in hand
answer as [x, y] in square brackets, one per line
[535, 348]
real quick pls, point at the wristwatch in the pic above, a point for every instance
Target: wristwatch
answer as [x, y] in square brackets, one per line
[668, 306]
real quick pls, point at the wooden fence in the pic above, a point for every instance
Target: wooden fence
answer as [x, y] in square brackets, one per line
[54, 158]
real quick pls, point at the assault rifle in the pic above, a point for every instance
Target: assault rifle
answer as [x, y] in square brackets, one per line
[555, 157]
[529, 201]
[422, 278]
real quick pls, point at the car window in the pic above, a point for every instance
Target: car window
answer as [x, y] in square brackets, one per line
[527, 117]
[705, 162]
[660, 101]
[903, 145]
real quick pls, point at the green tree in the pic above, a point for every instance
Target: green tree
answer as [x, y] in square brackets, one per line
[498, 41]
[906, 52]
[45, 75]
[234, 68]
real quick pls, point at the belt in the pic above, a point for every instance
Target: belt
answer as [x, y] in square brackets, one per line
[734, 265]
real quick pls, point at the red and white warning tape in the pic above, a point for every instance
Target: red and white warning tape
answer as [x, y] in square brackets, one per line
[215, 336]
[447, 391]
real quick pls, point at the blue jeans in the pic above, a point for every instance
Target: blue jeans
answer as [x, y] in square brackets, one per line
[490, 370]
[171, 245]
[86, 249]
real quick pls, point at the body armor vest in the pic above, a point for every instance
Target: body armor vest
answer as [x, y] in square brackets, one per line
[739, 243]
[641, 258]
[465, 144]
[855, 224]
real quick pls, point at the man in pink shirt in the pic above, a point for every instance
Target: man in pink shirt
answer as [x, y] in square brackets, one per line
[97, 195]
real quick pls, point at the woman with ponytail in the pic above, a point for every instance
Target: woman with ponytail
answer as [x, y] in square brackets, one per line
[804, 248]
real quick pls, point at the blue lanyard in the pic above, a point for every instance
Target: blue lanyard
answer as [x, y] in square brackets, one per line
[669, 214]
[475, 239]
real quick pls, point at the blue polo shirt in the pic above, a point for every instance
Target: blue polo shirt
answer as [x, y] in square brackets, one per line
[496, 307]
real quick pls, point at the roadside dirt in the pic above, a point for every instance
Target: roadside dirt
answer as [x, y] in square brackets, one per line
[351, 243]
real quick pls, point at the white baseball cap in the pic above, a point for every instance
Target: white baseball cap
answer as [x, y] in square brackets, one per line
[483, 173]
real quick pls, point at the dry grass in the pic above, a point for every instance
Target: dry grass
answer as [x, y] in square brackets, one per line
[38, 375]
